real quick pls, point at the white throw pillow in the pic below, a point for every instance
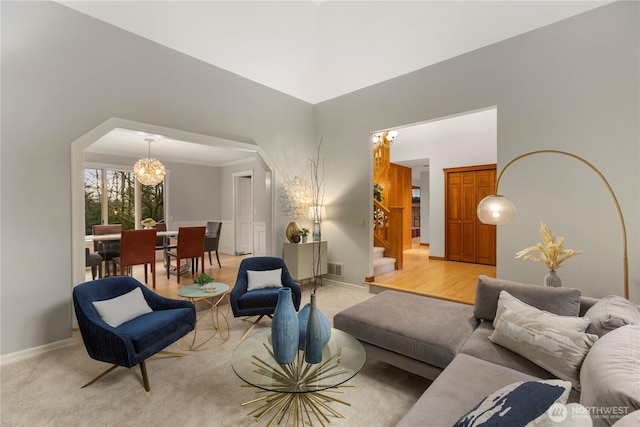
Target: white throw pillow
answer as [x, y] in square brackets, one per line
[264, 279]
[118, 310]
[517, 404]
[559, 351]
[506, 300]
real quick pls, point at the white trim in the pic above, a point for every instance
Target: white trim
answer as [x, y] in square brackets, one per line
[364, 287]
[30, 353]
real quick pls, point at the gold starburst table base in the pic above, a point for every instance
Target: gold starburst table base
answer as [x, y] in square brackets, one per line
[298, 393]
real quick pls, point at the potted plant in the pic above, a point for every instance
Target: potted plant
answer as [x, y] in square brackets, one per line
[304, 233]
[377, 192]
[203, 280]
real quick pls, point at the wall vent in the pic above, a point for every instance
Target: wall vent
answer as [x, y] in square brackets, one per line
[335, 268]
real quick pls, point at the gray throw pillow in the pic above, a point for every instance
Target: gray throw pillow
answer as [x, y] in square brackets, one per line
[610, 313]
[560, 301]
[610, 375]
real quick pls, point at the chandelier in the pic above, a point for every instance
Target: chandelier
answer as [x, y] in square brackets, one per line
[384, 138]
[149, 171]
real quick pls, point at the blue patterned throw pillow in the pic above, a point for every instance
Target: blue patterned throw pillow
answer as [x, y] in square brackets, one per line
[517, 404]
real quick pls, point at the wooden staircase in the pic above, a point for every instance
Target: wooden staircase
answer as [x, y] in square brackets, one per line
[388, 220]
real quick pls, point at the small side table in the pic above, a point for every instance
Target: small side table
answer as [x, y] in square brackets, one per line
[213, 294]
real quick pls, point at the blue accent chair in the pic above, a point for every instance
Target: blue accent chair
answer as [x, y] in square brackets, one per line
[260, 302]
[134, 341]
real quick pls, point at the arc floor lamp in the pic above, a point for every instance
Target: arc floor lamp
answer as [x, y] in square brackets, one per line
[496, 209]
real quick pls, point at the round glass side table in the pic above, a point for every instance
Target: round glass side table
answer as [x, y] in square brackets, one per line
[217, 326]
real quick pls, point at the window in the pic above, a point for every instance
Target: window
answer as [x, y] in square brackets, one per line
[111, 194]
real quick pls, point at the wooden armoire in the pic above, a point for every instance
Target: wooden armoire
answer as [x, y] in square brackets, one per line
[466, 238]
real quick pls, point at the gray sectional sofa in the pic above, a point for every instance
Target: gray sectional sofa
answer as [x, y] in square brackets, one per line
[455, 345]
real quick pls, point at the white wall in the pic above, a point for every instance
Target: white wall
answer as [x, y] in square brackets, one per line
[572, 86]
[63, 74]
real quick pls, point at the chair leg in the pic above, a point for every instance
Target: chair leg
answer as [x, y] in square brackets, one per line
[253, 325]
[210, 263]
[145, 378]
[100, 376]
[218, 258]
[94, 271]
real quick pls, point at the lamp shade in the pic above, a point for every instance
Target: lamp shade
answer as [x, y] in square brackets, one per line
[317, 213]
[496, 210]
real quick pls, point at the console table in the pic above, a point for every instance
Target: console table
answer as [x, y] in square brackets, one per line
[299, 258]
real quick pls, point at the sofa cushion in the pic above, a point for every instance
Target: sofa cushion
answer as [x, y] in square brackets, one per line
[459, 388]
[427, 329]
[517, 404]
[559, 351]
[507, 301]
[479, 345]
[561, 301]
[149, 329]
[610, 313]
[630, 420]
[610, 375]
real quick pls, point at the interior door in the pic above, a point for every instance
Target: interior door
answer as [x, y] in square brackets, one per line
[243, 214]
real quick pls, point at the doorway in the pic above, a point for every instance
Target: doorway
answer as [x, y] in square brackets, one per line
[77, 178]
[243, 212]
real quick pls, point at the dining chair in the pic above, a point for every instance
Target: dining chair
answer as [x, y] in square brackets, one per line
[190, 246]
[107, 249]
[93, 260]
[138, 247]
[212, 240]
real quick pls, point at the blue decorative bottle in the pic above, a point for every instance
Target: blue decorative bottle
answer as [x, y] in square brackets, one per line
[284, 329]
[313, 339]
[325, 326]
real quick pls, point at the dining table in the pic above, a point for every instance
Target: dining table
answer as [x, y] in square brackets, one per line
[117, 236]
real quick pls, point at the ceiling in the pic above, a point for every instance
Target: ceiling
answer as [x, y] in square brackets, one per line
[314, 50]
[132, 143]
[318, 50]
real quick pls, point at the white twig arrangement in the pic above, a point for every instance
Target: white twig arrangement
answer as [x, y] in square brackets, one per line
[550, 251]
[317, 200]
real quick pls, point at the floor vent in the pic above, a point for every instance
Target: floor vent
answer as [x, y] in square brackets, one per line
[335, 268]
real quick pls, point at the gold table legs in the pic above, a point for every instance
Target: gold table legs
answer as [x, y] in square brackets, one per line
[298, 397]
[219, 327]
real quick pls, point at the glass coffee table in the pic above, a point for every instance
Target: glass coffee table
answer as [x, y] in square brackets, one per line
[298, 393]
[213, 294]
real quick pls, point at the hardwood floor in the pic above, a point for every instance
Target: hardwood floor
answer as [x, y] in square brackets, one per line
[455, 281]
[169, 287]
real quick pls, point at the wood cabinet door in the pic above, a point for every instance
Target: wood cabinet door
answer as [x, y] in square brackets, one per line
[466, 238]
[486, 180]
[453, 212]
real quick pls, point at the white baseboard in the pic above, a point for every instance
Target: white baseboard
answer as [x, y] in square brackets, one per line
[35, 351]
[363, 288]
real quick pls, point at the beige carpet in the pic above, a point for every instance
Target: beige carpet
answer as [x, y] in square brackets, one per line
[200, 389]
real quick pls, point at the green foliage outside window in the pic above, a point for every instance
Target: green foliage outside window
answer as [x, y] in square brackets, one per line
[120, 194]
